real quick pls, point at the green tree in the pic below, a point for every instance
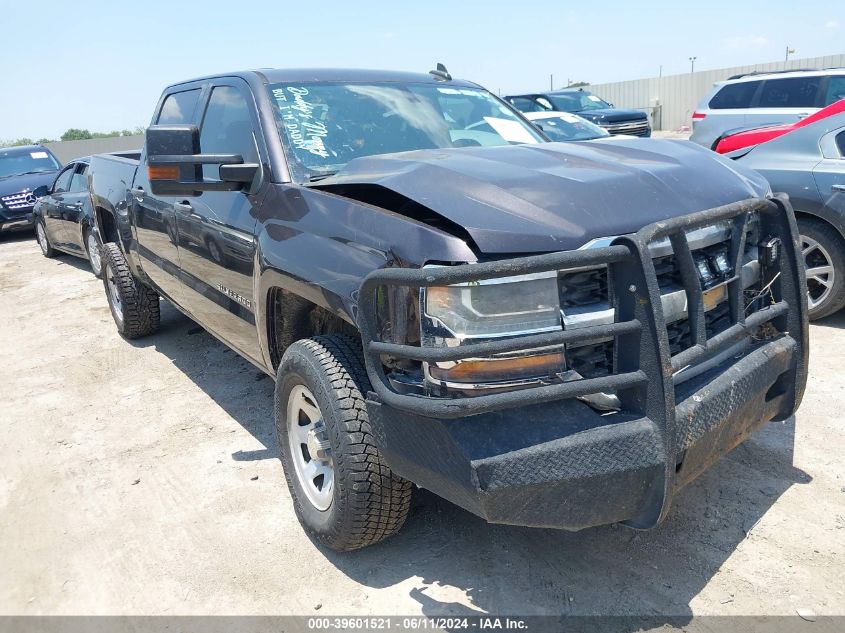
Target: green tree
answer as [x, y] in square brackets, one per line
[75, 134]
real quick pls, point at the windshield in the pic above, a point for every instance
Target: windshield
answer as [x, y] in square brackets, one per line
[325, 125]
[569, 127]
[16, 162]
[577, 102]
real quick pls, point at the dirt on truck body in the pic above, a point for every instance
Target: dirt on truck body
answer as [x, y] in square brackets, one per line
[545, 334]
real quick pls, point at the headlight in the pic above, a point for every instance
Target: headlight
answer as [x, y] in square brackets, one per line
[498, 307]
[513, 306]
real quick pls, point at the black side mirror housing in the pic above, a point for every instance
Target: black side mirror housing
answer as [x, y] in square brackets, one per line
[40, 192]
[174, 163]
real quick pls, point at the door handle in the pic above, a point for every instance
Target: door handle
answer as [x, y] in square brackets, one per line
[838, 188]
[138, 193]
[183, 207]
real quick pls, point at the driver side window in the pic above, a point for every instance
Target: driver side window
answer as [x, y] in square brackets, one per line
[227, 129]
[62, 183]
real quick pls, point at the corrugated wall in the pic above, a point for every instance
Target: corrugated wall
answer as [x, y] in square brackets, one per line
[670, 100]
[68, 150]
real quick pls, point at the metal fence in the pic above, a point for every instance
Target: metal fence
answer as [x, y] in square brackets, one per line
[68, 150]
[671, 100]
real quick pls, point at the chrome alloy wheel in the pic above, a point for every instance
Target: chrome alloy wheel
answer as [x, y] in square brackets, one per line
[819, 269]
[42, 237]
[114, 295]
[94, 253]
[310, 448]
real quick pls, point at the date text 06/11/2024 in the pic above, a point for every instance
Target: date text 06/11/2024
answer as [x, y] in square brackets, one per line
[417, 623]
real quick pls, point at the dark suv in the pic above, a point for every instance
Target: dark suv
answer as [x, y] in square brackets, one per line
[588, 106]
[22, 170]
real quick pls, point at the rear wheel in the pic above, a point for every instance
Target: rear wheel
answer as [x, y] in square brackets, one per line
[134, 306]
[43, 241]
[344, 494]
[823, 252]
[92, 247]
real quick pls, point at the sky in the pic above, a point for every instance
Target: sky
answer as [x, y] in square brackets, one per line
[101, 65]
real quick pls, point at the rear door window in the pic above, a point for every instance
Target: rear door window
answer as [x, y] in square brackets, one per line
[179, 107]
[731, 96]
[835, 90]
[795, 92]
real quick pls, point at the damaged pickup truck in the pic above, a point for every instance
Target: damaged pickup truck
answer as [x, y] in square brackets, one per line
[546, 334]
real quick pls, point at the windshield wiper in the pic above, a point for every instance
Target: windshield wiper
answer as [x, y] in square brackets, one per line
[318, 177]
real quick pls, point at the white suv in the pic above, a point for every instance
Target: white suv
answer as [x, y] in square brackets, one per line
[759, 99]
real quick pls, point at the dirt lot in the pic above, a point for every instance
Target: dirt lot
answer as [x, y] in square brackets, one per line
[143, 479]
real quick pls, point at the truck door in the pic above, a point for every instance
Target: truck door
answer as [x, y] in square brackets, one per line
[216, 228]
[155, 216]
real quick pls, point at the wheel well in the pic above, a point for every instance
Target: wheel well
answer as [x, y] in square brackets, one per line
[291, 318]
[802, 215]
[107, 226]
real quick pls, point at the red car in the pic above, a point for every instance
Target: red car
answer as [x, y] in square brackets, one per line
[732, 141]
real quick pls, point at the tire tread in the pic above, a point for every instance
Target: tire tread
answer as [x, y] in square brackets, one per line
[141, 305]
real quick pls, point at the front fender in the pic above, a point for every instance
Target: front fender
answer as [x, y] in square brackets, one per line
[321, 246]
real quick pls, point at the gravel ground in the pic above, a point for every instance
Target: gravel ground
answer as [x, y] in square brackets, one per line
[143, 478]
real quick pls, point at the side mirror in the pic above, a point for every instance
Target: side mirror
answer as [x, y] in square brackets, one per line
[174, 163]
[40, 192]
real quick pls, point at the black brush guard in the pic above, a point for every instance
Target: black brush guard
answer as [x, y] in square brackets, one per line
[539, 457]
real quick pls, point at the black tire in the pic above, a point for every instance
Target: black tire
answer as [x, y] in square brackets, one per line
[138, 312]
[43, 241]
[87, 236]
[368, 501]
[832, 248]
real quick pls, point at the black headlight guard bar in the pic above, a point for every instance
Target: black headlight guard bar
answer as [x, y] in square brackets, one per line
[643, 363]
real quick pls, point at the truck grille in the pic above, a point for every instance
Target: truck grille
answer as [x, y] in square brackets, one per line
[21, 201]
[634, 128]
[586, 291]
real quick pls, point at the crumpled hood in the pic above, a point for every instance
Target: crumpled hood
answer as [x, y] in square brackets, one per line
[558, 196]
[25, 182]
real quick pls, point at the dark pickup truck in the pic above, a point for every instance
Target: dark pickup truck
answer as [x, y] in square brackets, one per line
[546, 334]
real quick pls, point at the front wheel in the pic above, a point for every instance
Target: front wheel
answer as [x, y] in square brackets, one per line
[823, 251]
[134, 306]
[344, 494]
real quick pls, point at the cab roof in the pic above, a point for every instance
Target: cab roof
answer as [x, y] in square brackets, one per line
[355, 75]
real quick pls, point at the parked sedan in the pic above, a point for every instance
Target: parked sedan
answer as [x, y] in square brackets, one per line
[809, 165]
[738, 139]
[566, 127]
[64, 216]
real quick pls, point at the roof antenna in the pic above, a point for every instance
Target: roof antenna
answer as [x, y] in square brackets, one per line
[441, 73]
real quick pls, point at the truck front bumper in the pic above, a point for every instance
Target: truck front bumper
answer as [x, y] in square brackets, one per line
[541, 457]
